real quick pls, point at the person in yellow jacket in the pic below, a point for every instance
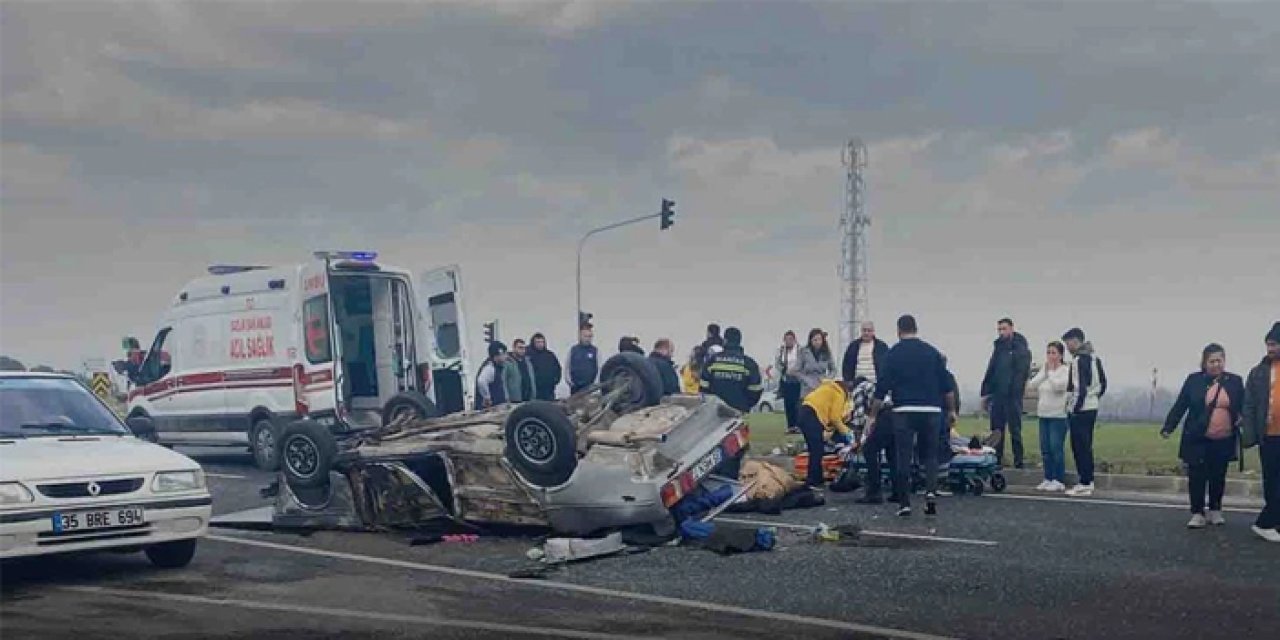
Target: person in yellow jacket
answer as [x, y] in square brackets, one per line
[825, 409]
[691, 372]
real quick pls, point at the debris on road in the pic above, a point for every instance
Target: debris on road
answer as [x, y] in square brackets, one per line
[562, 550]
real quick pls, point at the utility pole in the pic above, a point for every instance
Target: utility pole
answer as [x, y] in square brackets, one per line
[667, 216]
[854, 223]
[1155, 376]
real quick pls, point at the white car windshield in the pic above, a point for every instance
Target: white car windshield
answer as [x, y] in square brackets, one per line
[37, 407]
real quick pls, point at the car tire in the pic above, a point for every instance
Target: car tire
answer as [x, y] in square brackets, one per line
[541, 443]
[306, 452]
[409, 404]
[172, 555]
[262, 444]
[639, 374]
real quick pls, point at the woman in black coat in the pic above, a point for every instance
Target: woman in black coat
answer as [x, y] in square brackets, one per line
[1211, 400]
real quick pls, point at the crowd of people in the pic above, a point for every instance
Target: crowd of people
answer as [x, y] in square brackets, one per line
[903, 401]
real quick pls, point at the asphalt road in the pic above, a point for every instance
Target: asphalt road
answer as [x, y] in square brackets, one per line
[988, 567]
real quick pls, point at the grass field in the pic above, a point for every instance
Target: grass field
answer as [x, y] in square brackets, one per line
[1118, 447]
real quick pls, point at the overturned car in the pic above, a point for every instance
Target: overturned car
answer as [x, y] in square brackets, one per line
[615, 455]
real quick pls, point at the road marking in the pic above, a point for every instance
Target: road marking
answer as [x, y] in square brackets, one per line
[1118, 503]
[134, 595]
[712, 607]
[228, 476]
[877, 534]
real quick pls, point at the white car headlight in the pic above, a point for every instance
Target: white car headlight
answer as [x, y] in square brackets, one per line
[173, 481]
[14, 493]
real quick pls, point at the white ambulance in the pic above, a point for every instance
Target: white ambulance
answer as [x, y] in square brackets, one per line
[341, 340]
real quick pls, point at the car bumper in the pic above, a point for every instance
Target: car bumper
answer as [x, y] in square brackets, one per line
[30, 533]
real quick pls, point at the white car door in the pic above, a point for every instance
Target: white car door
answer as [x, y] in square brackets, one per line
[439, 296]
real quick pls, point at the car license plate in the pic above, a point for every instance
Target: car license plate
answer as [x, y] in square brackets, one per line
[73, 521]
[707, 463]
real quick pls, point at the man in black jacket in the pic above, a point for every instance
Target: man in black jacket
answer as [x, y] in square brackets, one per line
[584, 361]
[732, 375]
[915, 374]
[1004, 385]
[661, 359]
[865, 357]
[546, 368]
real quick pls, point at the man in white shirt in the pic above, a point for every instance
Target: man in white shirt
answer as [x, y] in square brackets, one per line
[864, 358]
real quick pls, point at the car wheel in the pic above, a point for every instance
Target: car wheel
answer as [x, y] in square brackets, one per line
[172, 555]
[541, 443]
[409, 405]
[635, 373]
[306, 453]
[262, 443]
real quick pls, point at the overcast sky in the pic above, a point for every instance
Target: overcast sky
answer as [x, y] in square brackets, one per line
[1112, 166]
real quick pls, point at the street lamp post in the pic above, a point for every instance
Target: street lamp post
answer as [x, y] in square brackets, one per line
[667, 214]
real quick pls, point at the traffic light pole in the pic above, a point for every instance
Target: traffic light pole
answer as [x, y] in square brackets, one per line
[583, 242]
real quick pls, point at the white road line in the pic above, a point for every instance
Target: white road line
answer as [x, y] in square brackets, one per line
[228, 476]
[712, 607]
[878, 534]
[135, 595]
[1118, 503]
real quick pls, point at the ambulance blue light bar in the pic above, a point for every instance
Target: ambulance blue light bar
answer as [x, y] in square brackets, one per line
[359, 256]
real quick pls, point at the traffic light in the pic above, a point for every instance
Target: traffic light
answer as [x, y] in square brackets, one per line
[490, 331]
[584, 319]
[668, 213]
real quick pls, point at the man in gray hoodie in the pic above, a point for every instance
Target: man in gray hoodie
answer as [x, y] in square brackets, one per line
[1004, 385]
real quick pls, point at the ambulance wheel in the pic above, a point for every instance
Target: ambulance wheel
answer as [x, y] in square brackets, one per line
[998, 482]
[635, 373]
[262, 443]
[541, 443]
[408, 405]
[306, 453]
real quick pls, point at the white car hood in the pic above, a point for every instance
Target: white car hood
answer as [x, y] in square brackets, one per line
[52, 458]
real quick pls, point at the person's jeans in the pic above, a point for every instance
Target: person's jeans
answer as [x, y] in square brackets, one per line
[881, 440]
[1006, 417]
[1211, 473]
[1053, 442]
[1269, 453]
[812, 429]
[790, 392]
[1082, 425]
[915, 432]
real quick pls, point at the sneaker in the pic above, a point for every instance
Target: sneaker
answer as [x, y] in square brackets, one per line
[1080, 491]
[1044, 486]
[904, 512]
[1197, 521]
[1216, 519]
[1270, 535]
[1056, 487]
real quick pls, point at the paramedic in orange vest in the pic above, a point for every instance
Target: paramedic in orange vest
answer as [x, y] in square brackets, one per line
[825, 409]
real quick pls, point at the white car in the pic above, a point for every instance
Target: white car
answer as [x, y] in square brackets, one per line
[74, 478]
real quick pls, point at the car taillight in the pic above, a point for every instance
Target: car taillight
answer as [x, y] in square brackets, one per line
[736, 442]
[300, 404]
[671, 494]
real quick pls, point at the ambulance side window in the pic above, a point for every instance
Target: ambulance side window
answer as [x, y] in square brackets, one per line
[444, 319]
[315, 330]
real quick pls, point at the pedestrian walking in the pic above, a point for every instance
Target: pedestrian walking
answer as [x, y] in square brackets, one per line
[691, 372]
[491, 388]
[815, 363]
[1051, 383]
[732, 375]
[825, 410]
[1211, 401]
[546, 368]
[584, 361]
[915, 375]
[661, 359]
[865, 356]
[518, 373]
[1260, 427]
[1004, 385]
[787, 363]
[1087, 383]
